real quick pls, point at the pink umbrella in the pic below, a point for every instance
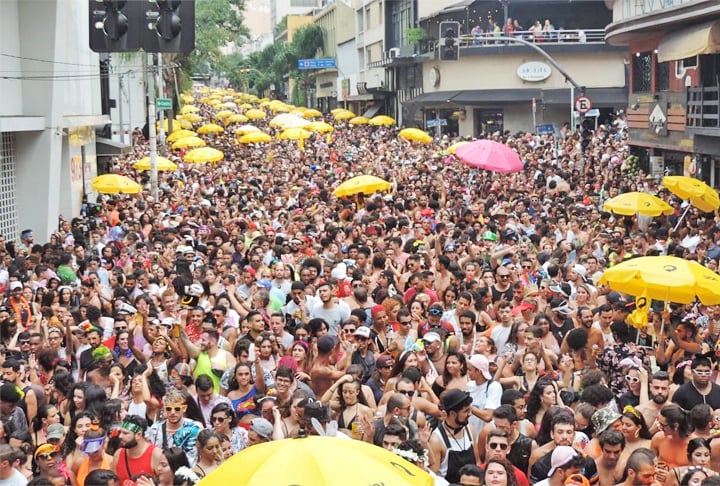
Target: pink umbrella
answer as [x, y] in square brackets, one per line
[489, 155]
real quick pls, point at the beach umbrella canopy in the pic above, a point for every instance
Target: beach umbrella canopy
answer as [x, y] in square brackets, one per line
[344, 115]
[359, 120]
[294, 134]
[255, 137]
[665, 278]
[320, 127]
[188, 142]
[365, 184]
[700, 195]
[162, 164]
[382, 121]
[115, 184]
[243, 129]
[490, 155]
[210, 128]
[317, 461]
[415, 135]
[255, 114]
[178, 134]
[631, 203]
[203, 155]
[453, 148]
[237, 118]
[311, 113]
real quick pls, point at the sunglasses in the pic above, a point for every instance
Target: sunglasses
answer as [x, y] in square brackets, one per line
[179, 408]
[632, 379]
[27, 341]
[702, 372]
[348, 331]
[360, 338]
[497, 445]
[503, 276]
[385, 367]
[405, 323]
[409, 393]
[47, 456]
[218, 419]
[435, 312]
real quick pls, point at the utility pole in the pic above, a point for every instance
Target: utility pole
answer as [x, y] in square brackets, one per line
[161, 91]
[120, 108]
[150, 79]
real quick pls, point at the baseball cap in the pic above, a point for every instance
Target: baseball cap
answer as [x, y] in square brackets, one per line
[326, 343]
[261, 427]
[455, 399]
[561, 457]
[15, 285]
[55, 431]
[362, 331]
[481, 362]
[431, 337]
[561, 288]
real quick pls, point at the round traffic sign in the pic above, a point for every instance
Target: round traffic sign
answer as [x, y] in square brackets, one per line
[583, 104]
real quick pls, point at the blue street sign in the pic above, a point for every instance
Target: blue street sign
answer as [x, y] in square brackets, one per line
[548, 129]
[436, 122]
[328, 62]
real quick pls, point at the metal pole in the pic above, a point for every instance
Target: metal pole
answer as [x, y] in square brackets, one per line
[161, 91]
[151, 127]
[572, 108]
[120, 110]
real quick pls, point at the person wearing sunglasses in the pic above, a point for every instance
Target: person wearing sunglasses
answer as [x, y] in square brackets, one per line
[222, 419]
[637, 382]
[45, 461]
[497, 447]
[176, 429]
[700, 389]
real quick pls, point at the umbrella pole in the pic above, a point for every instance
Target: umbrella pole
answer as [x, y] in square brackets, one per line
[682, 217]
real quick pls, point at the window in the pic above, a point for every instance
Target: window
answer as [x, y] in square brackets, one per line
[8, 212]
[642, 72]
[303, 3]
[662, 76]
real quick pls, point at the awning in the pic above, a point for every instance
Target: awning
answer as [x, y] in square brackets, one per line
[106, 147]
[601, 97]
[372, 111]
[689, 42]
[450, 9]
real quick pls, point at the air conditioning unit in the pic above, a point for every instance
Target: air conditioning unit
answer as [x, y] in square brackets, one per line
[394, 52]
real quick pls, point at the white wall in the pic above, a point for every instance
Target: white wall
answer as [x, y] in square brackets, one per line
[133, 98]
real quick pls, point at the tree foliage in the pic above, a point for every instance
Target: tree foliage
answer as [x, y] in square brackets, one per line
[217, 24]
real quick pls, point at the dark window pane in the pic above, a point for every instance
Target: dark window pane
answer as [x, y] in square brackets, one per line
[642, 72]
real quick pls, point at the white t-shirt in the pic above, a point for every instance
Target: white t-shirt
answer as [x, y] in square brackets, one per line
[17, 479]
[485, 396]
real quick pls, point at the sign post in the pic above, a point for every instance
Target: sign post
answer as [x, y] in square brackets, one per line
[583, 104]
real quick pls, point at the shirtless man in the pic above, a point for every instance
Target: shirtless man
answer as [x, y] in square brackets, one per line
[324, 371]
[612, 443]
[659, 391]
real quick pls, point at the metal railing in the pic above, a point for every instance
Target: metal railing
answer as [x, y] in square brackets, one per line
[556, 37]
[703, 107]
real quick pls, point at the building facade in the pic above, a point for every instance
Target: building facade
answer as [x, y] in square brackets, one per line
[48, 114]
[673, 104]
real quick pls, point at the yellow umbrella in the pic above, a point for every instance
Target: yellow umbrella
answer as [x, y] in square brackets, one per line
[312, 114]
[365, 184]
[294, 134]
[114, 184]
[631, 203]
[415, 135]
[189, 109]
[317, 461]
[344, 115]
[255, 137]
[166, 125]
[229, 104]
[162, 164]
[382, 121]
[335, 111]
[666, 278]
[286, 120]
[193, 118]
[359, 120]
[237, 118]
[188, 142]
[452, 148]
[222, 114]
[255, 114]
[246, 106]
[178, 134]
[210, 128]
[700, 195]
[214, 102]
[203, 154]
[298, 134]
[243, 129]
[187, 99]
[320, 127]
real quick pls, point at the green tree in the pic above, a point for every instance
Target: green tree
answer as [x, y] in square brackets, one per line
[217, 24]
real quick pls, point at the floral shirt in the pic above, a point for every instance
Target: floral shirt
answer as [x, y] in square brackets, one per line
[609, 363]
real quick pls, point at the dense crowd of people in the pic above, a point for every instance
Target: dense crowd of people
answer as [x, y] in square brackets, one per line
[457, 320]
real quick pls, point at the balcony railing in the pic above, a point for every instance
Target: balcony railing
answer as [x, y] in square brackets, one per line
[557, 37]
[703, 107]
